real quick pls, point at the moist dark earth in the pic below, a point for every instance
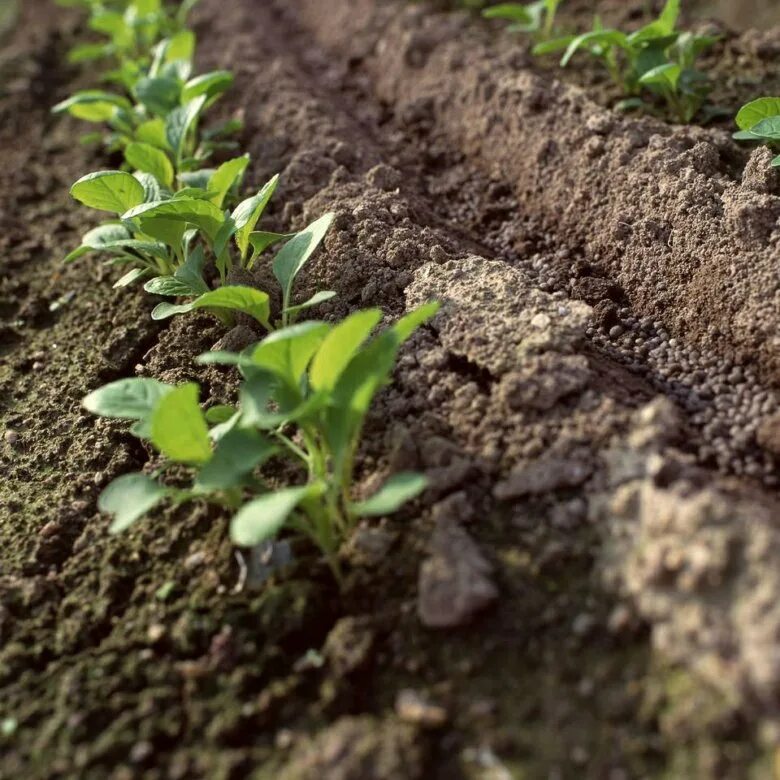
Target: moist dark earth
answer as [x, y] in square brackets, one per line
[590, 587]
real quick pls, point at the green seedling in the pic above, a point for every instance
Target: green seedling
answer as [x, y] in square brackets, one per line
[759, 121]
[536, 19]
[130, 29]
[159, 233]
[288, 263]
[304, 398]
[163, 107]
[658, 59]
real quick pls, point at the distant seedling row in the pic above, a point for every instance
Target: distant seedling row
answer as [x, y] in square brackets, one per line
[653, 65]
[178, 224]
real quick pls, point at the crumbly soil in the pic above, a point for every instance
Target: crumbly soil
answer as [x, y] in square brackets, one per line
[590, 587]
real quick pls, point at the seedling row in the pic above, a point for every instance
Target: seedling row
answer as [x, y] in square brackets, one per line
[655, 67]
[179, 224]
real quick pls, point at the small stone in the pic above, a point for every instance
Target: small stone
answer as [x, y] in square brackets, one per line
[155, 632]
[195, 560]
[455, 582]
[11, 437]
[413, 707]
[141, 751]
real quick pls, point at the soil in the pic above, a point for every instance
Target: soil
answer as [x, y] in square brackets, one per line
[590, 586]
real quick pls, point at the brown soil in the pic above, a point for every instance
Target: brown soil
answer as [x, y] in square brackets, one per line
[589, 588]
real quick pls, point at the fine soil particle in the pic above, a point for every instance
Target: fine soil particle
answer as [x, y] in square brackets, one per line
[589, 586]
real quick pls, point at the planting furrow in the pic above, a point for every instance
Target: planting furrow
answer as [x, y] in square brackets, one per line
[578, 566]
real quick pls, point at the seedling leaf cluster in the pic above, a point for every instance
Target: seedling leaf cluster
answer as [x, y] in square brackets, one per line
[177, 223]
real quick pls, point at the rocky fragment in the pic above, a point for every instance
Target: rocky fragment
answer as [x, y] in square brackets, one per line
[543, 475]
[455, 582]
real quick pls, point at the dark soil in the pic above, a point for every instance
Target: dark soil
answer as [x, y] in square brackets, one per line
[590, 587]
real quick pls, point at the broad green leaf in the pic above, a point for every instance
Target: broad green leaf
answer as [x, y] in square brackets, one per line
[399, 489]
[263, 518]
[178, 427]
[153, 190]
[752, 113]
[553, 46]
[180, 46]
[168, 285]
[340, 346]
[88, 52]
[99, 238]
[180, 123]
[114, 191]
[287, 352]
[514, 12]
[220, 414]
[147, 158]
[248, 300]
[191, 273]
[159, 95]
[152, 132]
[128, 399]
[129, 498]
[92, 105]
[237, 454]
[667, 75]
[225, 177]
[248, 212]
[209, 85]
[195, 211]
[296, 253]
[767, 129]
[199, 179]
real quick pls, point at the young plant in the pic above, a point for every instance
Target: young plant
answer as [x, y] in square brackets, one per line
[306, 392]
[288, 263]
[657, 58]
[156, 231]
[536, 19]
[162, 109]
[759, 121]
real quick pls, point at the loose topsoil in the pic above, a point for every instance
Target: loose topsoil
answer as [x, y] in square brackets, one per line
[590, 588]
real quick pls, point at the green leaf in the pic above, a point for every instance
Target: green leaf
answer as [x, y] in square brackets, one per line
[296, 253]
[767, 129]
[209, 85]
[340, 346]
[129, 498]
[99, 238]
[666, 75]
[168, 285]
[287, 352]
[752, 113]
[195, 211]
[263, 518]
[225, 177]
[248, 300]
[399, 489]
[92, 105]
[178, 427]
[237, 454]
[595, 37]
[152, 132]
[114, 191]
[88, 52]
[220, 413]
[180, 123]
[147, 158]
[158, 95]
[248, 212]
[131, 276]
[127, 399]
[321, 297]
[180, 46]
[514, 12]
[261, 240]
